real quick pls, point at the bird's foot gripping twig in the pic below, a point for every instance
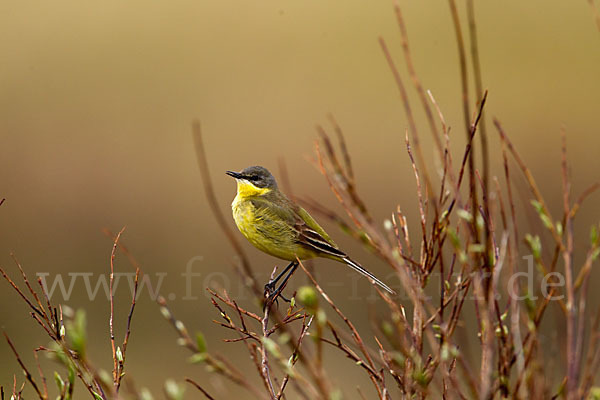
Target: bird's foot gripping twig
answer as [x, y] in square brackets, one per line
[272, 293]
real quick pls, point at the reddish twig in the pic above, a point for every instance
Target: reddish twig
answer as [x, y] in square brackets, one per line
[216, 210]
[116, 359]
[28, 375]
[197, 386]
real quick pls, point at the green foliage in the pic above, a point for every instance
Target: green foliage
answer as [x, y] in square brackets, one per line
[307, 296]
[535, 244]
[201, 342]
[76, 332]
[173, 390]
[539, 208]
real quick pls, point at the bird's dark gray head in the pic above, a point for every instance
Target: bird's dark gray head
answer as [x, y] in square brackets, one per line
[257, 175]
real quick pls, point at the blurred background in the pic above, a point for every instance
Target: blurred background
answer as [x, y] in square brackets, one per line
[96, 104]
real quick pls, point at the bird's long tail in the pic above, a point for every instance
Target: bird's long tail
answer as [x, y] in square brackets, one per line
[361, 270]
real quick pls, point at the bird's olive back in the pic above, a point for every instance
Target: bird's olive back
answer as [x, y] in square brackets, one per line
[259, 176]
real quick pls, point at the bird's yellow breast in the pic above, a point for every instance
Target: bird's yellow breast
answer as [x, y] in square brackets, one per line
[265, 231]
[244, 216]
[244, 212]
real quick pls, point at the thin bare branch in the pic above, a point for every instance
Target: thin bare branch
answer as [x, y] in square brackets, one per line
[216, 210]
[28, 375]
[197, 386]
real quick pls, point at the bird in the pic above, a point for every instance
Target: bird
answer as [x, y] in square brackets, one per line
[281, 228]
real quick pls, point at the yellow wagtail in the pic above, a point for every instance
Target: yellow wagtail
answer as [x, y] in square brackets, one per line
[281, 228]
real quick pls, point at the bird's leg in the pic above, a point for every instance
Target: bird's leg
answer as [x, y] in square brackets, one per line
[292, 267]
[270, 286]
[271, 293]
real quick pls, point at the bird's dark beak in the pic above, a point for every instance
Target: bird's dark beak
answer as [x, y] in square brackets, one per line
[234, 174]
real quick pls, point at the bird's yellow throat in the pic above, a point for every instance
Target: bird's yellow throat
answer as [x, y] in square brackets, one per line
[247, 189]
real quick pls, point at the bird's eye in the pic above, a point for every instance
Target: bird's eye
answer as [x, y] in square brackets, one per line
[252, 177]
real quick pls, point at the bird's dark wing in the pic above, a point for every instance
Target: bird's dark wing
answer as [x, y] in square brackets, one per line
[317, 243]
[312, 235]
[297, 223]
